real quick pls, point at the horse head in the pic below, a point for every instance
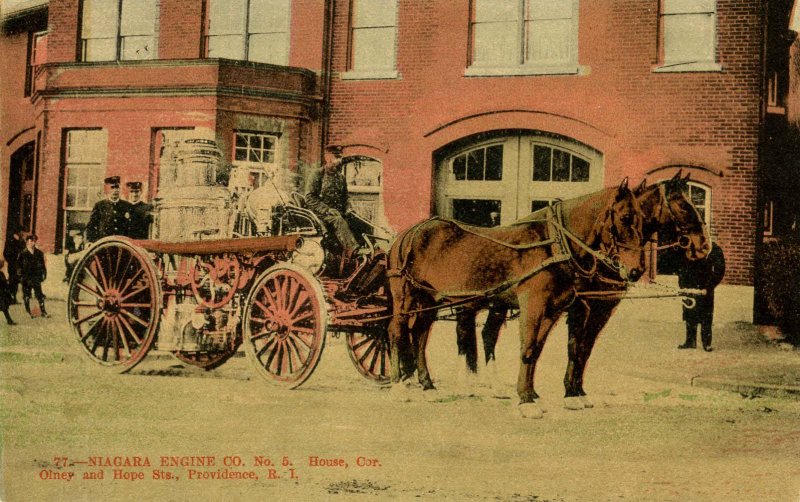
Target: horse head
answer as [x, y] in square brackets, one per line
[675, 217]
[621, 233]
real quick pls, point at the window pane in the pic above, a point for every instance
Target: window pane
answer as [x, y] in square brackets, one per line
[373, 48]
[241, 140]
[681, 6]
[538, 204]
[99, 19]
[241, 154]
[481, 213]
[560, 165]
[496, 44]
[580, 169]
[541, 163]
[100, 49]
[496, 10]
[698, 196]
[689, 38]
[138, 17]
[475, 165]
[549, 9]
[270, 48]
[363, 173]
[548, 41]
[226, 17]
[139, 47]
[226, 46]
[494, 163]
[374, 13]
[460, 167]
[71, 197]
[255, 156]
[269, 16]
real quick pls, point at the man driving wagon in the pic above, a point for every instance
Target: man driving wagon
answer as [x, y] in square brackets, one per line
[326, 195]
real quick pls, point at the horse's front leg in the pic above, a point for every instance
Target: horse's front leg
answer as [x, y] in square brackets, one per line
[420, 333]
[535, 325]
[399, 357]
[585, 320]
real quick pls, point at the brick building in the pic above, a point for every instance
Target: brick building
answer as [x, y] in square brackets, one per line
[476, 109]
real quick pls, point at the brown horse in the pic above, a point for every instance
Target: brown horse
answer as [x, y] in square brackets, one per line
[666, 211]
[533, 264]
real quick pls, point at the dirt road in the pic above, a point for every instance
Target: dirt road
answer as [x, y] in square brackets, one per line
[348, 439]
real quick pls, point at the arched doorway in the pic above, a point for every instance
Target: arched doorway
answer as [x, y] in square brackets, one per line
[497, 178]
[21, 188]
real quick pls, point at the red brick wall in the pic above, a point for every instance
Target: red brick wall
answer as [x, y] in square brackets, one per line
[180, 29]
[639, 119]
[62, 24]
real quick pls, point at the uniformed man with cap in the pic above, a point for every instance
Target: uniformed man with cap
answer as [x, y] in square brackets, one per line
[110, 216]
[326, 195]
[140, 214]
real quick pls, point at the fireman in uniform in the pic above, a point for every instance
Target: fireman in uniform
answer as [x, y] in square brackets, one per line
[326, 195]
[32, 272]
[110, 216]
[139, 226]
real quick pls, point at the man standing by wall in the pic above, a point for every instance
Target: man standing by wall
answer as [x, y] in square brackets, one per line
[701, 274]
[139, 227]
[14, 247]
[110, 216]
[32, 272]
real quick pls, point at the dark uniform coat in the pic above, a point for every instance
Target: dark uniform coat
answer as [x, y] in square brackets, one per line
[702, 274]
[326, 191]
[109, 218]
[32, 269]
[140, 220]
[5, 293]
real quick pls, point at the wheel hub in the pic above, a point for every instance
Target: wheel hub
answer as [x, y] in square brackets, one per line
[110, 304]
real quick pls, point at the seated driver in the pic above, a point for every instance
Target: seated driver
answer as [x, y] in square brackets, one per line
[326, 195]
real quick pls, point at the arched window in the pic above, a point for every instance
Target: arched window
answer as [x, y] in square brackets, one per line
[502, 179]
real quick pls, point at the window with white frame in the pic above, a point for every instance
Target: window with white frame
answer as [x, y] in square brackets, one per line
[249, 30]
[85, 167]
[119, 30]
[524, 36]
[689, 35]
[373, 38]
[364, 181]
[255, 159]
[700, 197]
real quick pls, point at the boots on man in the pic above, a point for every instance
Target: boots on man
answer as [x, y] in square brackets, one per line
[43, 310]
[691, 337]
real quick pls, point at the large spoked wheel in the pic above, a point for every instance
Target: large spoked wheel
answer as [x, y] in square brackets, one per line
[369, 351]
[284, 325]
[114, 303]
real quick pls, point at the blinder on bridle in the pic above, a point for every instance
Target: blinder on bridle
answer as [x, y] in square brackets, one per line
[617, 241]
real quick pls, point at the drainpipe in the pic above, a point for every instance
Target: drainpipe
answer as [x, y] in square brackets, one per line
[758, 311]
[327, 65]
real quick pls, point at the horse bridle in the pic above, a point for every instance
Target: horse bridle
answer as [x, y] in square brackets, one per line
[683, 241]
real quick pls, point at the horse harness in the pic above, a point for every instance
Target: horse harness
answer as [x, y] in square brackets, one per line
[559, 243]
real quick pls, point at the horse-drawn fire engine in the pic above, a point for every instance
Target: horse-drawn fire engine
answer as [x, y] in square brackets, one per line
[267, 288]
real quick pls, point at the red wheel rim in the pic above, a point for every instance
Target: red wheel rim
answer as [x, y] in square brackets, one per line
[114, 304]
[369, 352]
[285, 326]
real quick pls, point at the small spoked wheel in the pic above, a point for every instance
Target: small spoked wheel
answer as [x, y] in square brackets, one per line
[369, 351]
[205, 360]
[114, 303]
[284, 325]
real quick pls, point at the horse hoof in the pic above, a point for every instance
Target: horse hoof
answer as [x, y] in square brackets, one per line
[530, 410]
[586, 402]
[573, 403]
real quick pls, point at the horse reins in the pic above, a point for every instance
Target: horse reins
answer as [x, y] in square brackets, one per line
[554, 218]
